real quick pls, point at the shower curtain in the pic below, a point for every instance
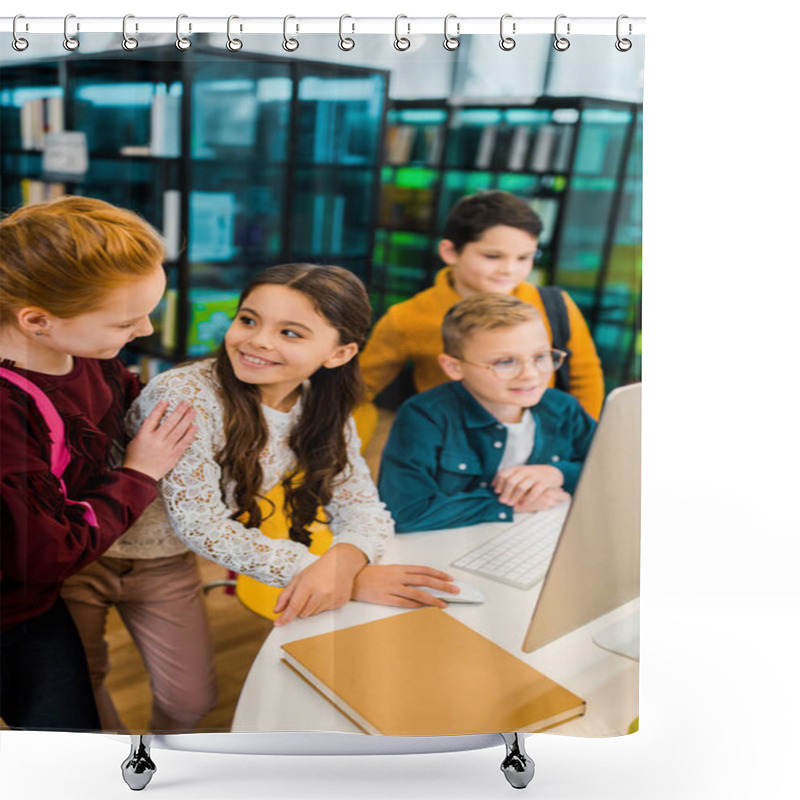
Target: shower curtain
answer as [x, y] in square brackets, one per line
[247, 150]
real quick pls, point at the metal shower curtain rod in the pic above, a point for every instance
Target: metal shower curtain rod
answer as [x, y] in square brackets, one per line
[517, 26]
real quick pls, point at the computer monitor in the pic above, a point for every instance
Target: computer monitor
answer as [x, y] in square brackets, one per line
[595, 566]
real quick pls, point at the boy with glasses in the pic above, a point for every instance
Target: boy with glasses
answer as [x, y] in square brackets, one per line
[488, 245]
[494, 440]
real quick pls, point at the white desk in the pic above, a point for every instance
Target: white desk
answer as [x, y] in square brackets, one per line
[275, 698]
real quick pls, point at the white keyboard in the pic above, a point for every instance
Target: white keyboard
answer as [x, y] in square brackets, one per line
[520, 555]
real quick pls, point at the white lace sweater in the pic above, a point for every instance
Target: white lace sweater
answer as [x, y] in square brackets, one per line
[193, 511]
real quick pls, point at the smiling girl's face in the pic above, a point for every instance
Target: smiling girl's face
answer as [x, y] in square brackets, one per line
[278, 340]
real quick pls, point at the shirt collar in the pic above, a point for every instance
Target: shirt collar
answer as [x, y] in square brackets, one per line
[443, 284]
[475, 415]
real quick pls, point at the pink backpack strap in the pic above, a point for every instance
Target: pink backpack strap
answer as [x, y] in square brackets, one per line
[59, 453]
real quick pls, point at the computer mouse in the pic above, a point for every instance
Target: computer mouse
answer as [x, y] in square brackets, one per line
[468, 593]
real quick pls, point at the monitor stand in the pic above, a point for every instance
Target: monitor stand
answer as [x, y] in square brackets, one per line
[622, 637]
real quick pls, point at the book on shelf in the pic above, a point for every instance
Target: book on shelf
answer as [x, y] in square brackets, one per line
[65, 153]
[327, 223]
[547, 209]
[563, 151]
[172, 224]
[399, 141]
[424, 673]
[503, 140]
[38, 117]
[544, 147]
[552, 148]
[486, 147]
[165, 124]
[434, 142]
[165, 128]
[35, 191]
[168, 308]
[31, 124]
[209, 315]
[518, 148]
[212, 217]
[137, 150]
[414, 144]
[54, 114]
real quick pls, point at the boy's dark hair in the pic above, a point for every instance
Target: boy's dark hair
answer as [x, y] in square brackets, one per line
[471, 216]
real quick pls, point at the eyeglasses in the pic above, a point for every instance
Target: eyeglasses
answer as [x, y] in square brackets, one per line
[509, 368]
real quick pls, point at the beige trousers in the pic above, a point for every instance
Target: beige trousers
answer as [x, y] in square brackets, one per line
[161, 604]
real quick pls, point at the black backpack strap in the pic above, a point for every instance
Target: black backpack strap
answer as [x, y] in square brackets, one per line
[556, 309]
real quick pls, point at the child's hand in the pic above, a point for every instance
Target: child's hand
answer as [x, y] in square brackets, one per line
[399, 585]
[161, 440]
[325, 584]
[527, 481]
[549, 498]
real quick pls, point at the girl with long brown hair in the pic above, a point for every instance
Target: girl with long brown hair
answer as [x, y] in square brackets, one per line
[273, 411]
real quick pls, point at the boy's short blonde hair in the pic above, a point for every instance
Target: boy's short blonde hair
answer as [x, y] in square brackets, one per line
[483, 312]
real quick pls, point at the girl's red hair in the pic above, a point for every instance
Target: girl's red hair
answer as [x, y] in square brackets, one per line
[66, 255]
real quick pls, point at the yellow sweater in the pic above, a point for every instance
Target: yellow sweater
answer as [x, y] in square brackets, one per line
[411, 331]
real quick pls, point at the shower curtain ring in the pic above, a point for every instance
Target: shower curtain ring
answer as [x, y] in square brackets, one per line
[451, 42]
[290, 45]
[70, 42]
[181, 42]
[345, 42]
[507, 42]
[401, 43]
[19, 44]
[233, 44]
[561, 43]
[623, 45]
[128, 42]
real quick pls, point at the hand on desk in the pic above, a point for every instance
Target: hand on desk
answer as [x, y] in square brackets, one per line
[399, 585]
[550, 498]
[325, 584]
[526, 484]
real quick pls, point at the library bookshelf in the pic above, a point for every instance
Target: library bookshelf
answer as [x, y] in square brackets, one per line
[247, 162]
[575, 160]
[241, 164]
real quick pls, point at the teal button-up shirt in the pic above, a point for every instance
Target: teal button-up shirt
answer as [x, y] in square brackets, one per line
[444, 450]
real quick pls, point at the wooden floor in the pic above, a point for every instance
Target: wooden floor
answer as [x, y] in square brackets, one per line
[237, 634]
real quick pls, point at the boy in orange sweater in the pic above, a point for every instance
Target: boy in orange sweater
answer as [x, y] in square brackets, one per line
[488, 245]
